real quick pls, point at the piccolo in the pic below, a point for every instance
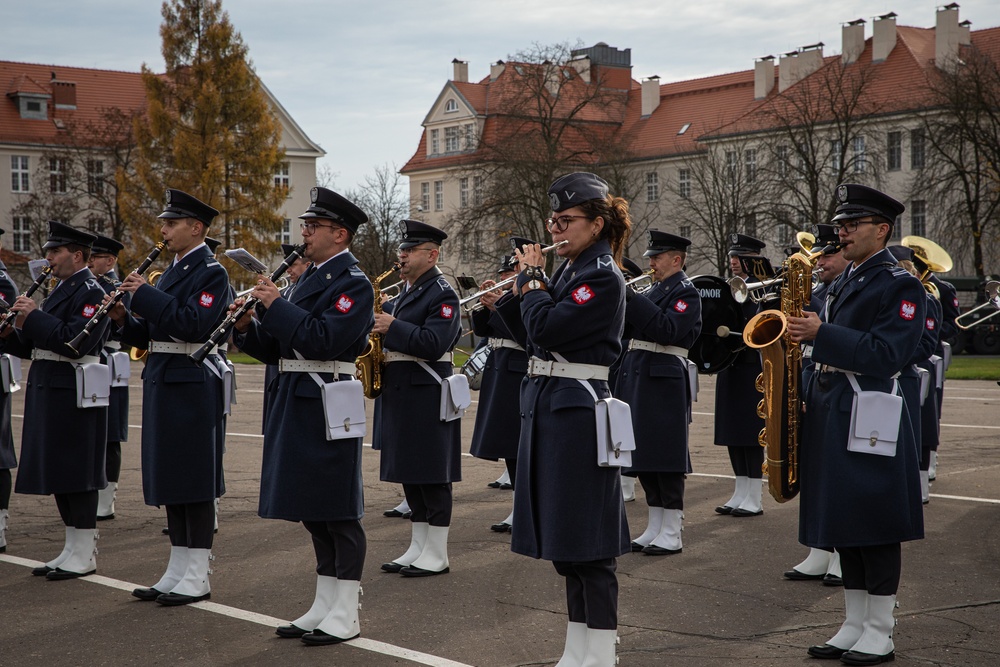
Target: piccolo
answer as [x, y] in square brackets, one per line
[116, 298]
[508, 281]
[222, 332]
[11, 315]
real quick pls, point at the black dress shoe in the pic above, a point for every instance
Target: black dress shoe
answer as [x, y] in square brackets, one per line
[742, 512]
[826, 652]
[392, 567]
[795, 575]
[109, 517]
[176, 599]
[506, 486]
[393, 513]
[320, 638]
[41, 570]
[653, 550]
[502, 527]
[724, 509]
[146, 594]
[165, 531]
[410, 571]
[636, 547]
[832, 580]
[290, 631]
[494, 485]
[62, 575]
[858, 658]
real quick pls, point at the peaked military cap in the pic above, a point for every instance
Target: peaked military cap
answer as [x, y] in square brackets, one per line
[213, 244]
[182, 205]
[860, 201]
[826, 235]
[61, 234]
[287, 248]
[507, 263]
[327, 204]
[518, 242]
[630, 269]
[107, 246]
[659, 242]
[414, 232]
[901, 252]
[573, 189]
[742, 244]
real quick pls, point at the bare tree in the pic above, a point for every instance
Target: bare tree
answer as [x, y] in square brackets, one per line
[386, 202]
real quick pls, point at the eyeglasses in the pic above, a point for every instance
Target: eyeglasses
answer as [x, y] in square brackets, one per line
[312, 226]
[851, 226]
[559, 224]
[407, 251]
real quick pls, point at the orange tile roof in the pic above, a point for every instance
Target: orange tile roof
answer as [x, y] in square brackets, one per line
[96, 90]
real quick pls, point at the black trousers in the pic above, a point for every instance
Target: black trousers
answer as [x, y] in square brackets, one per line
[430, 503]
[78, 510]
[663, 489]
[591, 592]
[511, 469]
[340, 548]
[6, 486]
[113, 461]
[747, 461]
[191, 525]
[875, 569]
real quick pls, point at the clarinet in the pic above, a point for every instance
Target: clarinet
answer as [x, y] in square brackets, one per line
[221, 334]
[10, 315]
[116, 298]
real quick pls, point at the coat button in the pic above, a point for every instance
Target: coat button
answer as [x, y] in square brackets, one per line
[531, 414]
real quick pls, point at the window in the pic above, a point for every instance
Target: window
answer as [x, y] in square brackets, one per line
[750, 159]
[731, 164]
[652, 186]
[897, 229]
[784, 234]
[463, 191]
[684, 183]
[435, 143]
[57, 175]
[836, 155]
[750, 224]
[425, 196]
[450, 106]
[477, 191]
[917, 148]
[781, 156]
[285, 234]
[282, 177]
[685, 231]
[451, 139]
[918, 217]
[95, 177]
[894, 151]
[21, 228]
[684, 128]
[438, 195]
[860, 158]
[19, 179]
[470, 136]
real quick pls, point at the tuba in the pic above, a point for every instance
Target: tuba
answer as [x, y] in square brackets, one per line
[781, 370]
[371, 360]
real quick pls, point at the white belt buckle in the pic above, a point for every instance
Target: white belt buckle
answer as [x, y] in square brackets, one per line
[541, 367]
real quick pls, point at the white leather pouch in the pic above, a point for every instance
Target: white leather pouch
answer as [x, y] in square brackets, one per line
[455, 394]
[615, 439]
[93, 385]
[121, 368]
[939, 369]
[875, 419]
[924, 376]
[10, 373]
[344, 408]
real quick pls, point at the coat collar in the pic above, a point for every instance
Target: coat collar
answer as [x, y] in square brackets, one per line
[318, 280]
[589, 255]
[844, 287]
[184, 268]
[431, 275]
[68, 288]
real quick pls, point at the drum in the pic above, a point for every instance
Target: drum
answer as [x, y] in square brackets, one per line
[722, 323]
[474, 366]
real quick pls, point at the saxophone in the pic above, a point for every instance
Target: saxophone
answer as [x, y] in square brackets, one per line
[781, 371]
[370, 362]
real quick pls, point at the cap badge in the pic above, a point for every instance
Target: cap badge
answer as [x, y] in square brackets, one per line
[402, 229]
[734, 238]
[167, 197]
[553, 200]
[313, 195]
[842, 193]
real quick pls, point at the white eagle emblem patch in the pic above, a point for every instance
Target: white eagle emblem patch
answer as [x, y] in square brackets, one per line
[583, 294]
[206, 300]
[680, 306]
[344, 303]
[930, 324]
[89, 310]
[446, 311]
[907, 310]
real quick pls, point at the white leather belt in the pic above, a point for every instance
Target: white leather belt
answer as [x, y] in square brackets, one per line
[540, 367]
[391, 356]
[113, 345]
[312, 366]
[656, 347]
[807, 350]
[163, 347]
[47, 355]
[824, 368]
[497, 343]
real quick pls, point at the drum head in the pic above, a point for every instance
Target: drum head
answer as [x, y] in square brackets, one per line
[722, 324]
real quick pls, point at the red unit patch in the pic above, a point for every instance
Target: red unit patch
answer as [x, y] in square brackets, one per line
[89, 310]
[446, 311]
[907, 310]
[206, 300]
[344, 303]
[955, 301]
[583, 294]
[930, 324]
[680, 306]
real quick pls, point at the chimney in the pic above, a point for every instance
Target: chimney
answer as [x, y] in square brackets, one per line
[582, 66]
[496, 69]
[853, 41]
[883, 37]
[965, 33]
[810, 59]
[946, 37]
[797, 65]
[788, 67]
[763, 77]
[650, 95]
[63, 94]
[460, 71]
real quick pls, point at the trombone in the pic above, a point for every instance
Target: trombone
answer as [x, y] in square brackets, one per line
[993, 290]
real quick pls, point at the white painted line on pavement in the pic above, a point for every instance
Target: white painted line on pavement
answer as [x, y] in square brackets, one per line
[263, 619]
[991, 501]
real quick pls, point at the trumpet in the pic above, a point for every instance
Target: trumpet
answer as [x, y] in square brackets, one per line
[282, 284]
[398, 287]
[505, 282]
[993, 290]
[11, 315]
[224, 329]
[642, 277]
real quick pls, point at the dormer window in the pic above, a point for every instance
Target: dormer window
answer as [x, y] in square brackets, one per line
[33, 107]
[450, 106]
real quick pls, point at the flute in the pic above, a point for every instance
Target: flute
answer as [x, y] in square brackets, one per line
[11, 315]
[508, 281]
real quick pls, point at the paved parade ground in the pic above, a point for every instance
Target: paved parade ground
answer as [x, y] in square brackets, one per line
[722, 601]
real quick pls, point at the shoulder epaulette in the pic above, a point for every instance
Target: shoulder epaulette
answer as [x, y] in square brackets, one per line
[606, 262]
[444, 284]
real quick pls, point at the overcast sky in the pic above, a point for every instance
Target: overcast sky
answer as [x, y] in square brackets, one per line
[359, 77]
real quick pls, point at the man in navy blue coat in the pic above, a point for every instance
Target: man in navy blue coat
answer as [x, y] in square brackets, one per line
[420, 451]
[862, 503]
[62, 446]
[661, 324]
[8, 459]
[183, 402]
[314, 337]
